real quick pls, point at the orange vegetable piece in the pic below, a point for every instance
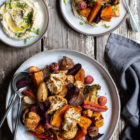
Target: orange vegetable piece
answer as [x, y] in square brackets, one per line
[33, 69]
[30, 94]
[59, 138]
[40, 129]
[97, 115]
[58, 117]
[85, 122]
[99, 123]
[107, 13]
[85, 12]
[81, 134]
[80, 76]
[38, 78]
[94, 11]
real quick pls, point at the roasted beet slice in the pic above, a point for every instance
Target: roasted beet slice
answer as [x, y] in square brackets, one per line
[26, 81]
[74, 70]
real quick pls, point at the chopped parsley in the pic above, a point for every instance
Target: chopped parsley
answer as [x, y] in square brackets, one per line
[29, 30]
[36, 31]
[106, 26]
[22, 27]
[81, 23]
[65, 1]
[113, 8]
[21, 5]
[28, 38]
[28, 18]
[19, 34]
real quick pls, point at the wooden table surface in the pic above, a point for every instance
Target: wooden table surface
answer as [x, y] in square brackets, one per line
[59, 35]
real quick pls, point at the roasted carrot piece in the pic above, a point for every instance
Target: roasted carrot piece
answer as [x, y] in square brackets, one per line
[38, 78]
[33, 69]
[80, 76]
[107, 13]
[85, 12]
[30, 94]
[58, 117]
[94, 11]
[81, 134]
[94, 107]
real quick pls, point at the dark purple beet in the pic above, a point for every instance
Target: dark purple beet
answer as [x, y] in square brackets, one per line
[46, 121]
[26, 81]
[98, 17]
[49, 138]
[74, 70]
[34, 109]
[95, 138]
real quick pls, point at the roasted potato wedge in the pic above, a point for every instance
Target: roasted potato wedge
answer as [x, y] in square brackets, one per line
[66, 63]
[42, 92]
[28, 100]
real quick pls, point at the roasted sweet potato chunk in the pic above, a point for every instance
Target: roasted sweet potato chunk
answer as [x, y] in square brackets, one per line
[107, 13]
[85, 12]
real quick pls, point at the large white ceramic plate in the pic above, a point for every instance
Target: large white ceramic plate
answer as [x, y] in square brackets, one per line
[87, 29]
[91, 67]
[43, 28]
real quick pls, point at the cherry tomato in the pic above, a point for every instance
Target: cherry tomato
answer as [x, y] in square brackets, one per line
[89, 79]
[82, 5]
[102, 100]
[54, 66]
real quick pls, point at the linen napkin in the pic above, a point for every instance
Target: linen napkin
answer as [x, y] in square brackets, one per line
[124, 56]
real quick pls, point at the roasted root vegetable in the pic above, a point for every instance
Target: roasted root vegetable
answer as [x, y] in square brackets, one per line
[94, 11]
[42, 92]
[33, 69]
[30, 94]
[58, 117]
[94, 107]
[40, 129]
[42, 136]
[38, 78]
[28, 100]
[96, 115]
[81, 134]
[99, 123]
[84, 122]
[80, 75]
[66, 63]
[85, 12]
[107, 13]
[93, 131]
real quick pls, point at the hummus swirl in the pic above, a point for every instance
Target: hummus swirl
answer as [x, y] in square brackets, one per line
[19, 18]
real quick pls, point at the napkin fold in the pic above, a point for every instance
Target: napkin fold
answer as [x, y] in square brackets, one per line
[124, 56]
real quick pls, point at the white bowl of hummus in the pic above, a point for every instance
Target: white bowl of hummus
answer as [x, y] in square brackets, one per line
[23, 22]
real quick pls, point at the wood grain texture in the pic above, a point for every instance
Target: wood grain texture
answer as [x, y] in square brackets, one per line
[58, 36]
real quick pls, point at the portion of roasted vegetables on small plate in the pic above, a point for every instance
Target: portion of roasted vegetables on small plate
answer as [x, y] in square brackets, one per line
[96, 11]
[62, 103]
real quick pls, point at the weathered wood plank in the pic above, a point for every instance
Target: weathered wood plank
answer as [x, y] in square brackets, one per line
[10, 60]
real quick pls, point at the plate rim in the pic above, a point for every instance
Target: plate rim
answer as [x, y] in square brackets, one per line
[89, 34]
[98, 63]
[46, 6]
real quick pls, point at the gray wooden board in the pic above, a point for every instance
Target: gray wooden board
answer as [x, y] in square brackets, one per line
[59, 35]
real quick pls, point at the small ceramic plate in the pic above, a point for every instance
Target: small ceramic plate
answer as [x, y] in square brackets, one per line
[91, 67]
[74, 22]
[43, 28]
